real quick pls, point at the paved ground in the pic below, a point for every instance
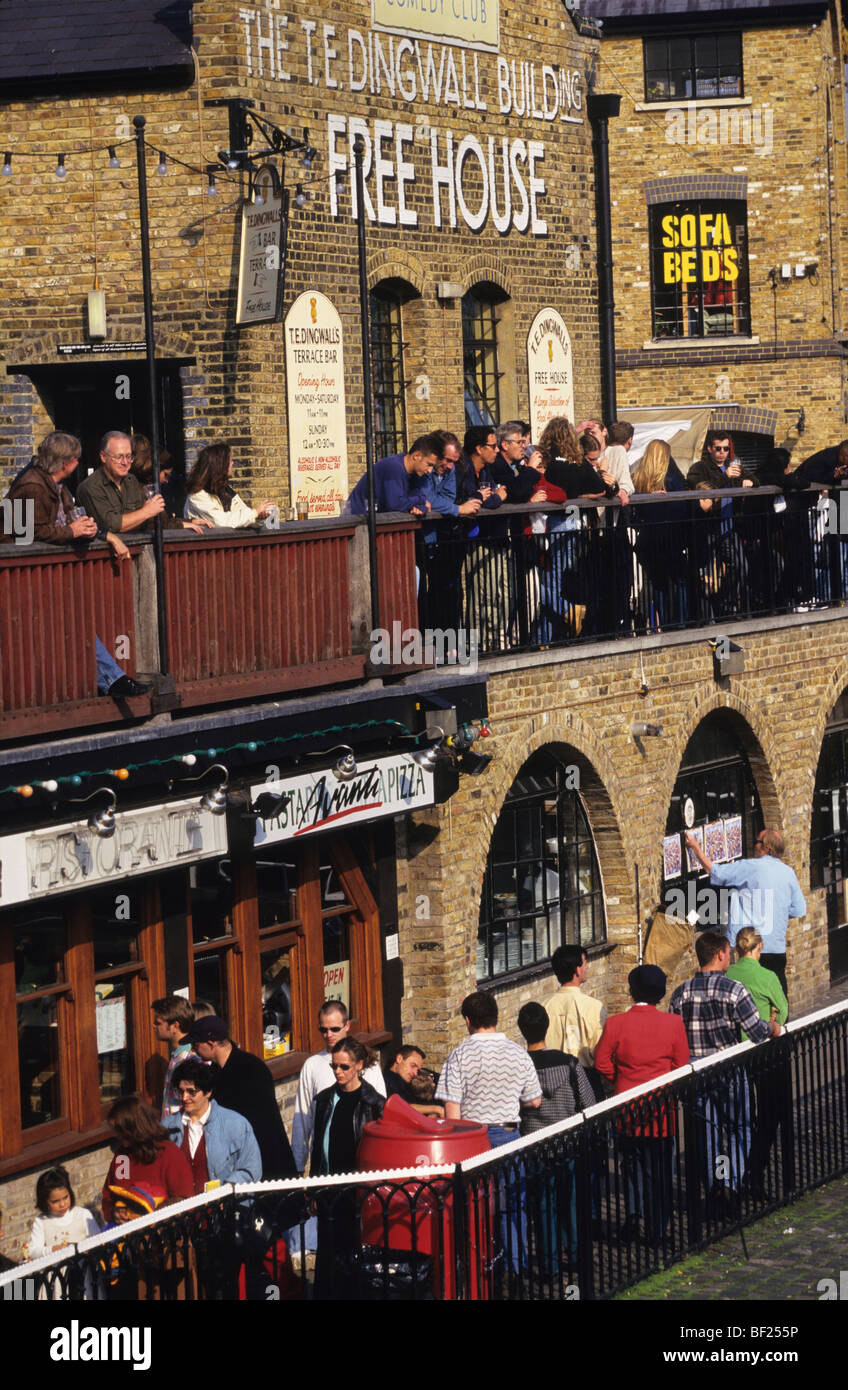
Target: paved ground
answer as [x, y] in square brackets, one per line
[790, 1253]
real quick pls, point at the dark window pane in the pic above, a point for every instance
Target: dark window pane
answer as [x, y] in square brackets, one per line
[336, 947]
[387, 367]
[276, 1000]
[211, 901]
[38, 1062]
[276, 878]
[39, 951]
[210, 981]
[332, 893]
[173, 898]
[115, 919]
[480, 357]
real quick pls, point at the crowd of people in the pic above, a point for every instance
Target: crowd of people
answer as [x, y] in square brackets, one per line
[562, 570]
[219, 1120]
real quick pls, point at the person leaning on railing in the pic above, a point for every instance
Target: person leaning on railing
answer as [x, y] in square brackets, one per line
[41, 485]
[660, 540]
[773, 1084]
[635, 1047]
[210, 497]
[714, 1010]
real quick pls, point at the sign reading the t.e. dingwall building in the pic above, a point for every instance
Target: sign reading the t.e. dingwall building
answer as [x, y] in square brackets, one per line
[316, 399]
[471, 23]
[263, 252]
[549, 370]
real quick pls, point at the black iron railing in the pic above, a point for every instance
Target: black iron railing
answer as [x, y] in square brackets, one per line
[522, 578]
[580, 1210]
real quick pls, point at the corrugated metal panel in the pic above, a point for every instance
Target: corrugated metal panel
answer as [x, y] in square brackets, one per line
[249, 604]
[396, 568]
[51, 607]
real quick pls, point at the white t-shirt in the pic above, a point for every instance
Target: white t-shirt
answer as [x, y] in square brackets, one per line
[50, 1233]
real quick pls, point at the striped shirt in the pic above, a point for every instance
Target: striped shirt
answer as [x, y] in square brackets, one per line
[714, 1008]
[488, 1077]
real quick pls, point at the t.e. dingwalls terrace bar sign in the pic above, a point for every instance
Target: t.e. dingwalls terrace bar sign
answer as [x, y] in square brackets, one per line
[322, 801]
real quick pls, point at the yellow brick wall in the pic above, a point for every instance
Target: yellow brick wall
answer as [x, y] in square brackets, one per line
[797, 206]
[54, 236]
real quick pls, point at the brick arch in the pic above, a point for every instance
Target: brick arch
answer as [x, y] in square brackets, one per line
[44, 348]
[407, 268]
[489, 267]
[836, 685]
[603, 797]
[756, 738]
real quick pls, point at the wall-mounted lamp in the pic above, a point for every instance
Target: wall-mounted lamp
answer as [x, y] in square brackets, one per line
[215, 800]
[96, 313]
[639, 730]
[268, 805]
[103, 822]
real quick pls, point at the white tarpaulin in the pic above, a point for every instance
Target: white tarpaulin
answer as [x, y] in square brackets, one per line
[682, 427]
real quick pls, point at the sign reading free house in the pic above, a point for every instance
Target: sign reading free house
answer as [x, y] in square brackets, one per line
[469, 23]
[320, 801]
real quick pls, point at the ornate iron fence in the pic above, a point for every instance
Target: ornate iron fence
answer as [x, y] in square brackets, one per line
[580, 1210]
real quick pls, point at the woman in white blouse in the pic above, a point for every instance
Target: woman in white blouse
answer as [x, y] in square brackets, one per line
[210, 497]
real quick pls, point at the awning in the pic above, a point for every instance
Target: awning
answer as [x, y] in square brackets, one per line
[682, 427]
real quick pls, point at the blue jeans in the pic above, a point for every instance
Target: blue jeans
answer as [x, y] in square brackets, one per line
[724, 1131]
[512, 1203]
[108, 670]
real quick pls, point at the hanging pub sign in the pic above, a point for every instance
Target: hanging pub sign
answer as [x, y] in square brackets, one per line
[323, 801]
[262, 258]
[317, 419]
[550, 370]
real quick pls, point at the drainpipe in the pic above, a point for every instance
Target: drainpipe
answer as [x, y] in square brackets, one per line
[601, 108]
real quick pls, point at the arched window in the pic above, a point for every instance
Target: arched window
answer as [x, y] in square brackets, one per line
[715, 796]
[829, 835]
[480, 321]
[542, 886]
[389, 385]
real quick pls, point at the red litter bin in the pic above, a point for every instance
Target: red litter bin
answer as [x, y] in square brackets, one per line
[418, 1218]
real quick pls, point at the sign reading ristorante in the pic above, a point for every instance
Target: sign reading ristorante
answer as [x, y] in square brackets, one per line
[59, 858]
[320, 801]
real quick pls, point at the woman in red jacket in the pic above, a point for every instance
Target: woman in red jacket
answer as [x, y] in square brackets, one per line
[636, 1047]
[144, 1155]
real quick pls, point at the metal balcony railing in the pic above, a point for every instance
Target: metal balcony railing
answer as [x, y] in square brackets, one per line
[582, 1209]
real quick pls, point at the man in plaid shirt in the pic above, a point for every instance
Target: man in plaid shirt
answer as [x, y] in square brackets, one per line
[714, 1009]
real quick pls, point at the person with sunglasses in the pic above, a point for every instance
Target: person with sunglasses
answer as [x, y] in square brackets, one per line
[317, 1074]
[341, 1112]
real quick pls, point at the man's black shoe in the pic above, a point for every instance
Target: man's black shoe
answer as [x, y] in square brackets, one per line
[126, 688]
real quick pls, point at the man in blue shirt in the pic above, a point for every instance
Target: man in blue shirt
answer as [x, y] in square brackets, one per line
[767, 893]
[395, 478]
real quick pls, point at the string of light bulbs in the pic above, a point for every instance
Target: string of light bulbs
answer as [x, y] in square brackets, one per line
[190, 759]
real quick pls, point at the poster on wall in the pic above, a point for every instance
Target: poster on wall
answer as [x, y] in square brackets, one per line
[550, 371]
[317, 423]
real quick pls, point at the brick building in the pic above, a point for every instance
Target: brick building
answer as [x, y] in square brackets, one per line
[453, 882]
[479, 202]
[728, 176]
